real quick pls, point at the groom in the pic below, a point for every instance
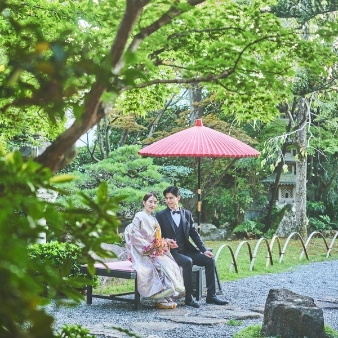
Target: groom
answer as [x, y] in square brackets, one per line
[177, 226]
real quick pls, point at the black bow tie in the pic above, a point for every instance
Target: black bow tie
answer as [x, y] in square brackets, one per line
[175, 212]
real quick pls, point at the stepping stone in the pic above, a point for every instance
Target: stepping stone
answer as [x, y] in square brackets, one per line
[326, 305]
[195, 320]
[152, 326]
[259, 309]
[181, 312]
[107, 330]
[243, 314]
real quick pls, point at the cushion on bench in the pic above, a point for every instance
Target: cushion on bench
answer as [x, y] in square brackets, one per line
[120, 265]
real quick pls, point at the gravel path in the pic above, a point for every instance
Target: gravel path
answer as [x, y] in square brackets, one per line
[317, 280]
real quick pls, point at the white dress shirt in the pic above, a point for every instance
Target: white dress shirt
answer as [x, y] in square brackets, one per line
[176, 217]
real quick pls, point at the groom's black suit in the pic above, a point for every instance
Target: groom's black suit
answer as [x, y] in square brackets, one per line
[187, 254]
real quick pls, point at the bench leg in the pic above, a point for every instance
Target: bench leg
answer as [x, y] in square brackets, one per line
[198, 281]
[137, 297]
[199, 285]
[89, 294]
[218, 281]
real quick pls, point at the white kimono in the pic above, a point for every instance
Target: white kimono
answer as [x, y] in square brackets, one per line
[158, 276]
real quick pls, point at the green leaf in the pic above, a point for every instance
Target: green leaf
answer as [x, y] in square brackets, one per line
[62, 178]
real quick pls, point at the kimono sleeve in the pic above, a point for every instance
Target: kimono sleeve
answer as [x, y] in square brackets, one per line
[137, 238]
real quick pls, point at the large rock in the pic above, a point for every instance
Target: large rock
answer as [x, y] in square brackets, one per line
[288, 224]
[210, 232]
[289, 315]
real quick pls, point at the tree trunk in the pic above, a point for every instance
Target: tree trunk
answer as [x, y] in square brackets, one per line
[301, 168]
[100, 140]
[123, 137]
[152, 126]
[106, 136]
[274, 192]
[197, 108]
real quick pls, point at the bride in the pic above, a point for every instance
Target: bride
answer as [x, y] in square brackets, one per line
[158, 275]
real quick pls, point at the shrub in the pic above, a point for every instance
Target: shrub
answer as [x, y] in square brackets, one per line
[74, 331]
[63, 258]
[23, 280]
[323, 222]
[249, 229]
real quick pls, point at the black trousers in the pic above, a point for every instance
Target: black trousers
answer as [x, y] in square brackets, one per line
[189, 258]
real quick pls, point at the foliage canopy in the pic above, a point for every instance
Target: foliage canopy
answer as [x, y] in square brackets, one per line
[85, 55]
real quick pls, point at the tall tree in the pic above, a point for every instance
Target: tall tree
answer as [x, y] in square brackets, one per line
[310, 17]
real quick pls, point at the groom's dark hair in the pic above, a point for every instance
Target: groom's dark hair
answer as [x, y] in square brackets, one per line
[173, 190]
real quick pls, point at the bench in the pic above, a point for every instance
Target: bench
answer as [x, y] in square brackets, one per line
[120, 269]
[124, 269]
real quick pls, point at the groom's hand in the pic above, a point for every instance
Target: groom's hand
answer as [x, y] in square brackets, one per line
[172, 243]
[208, 254]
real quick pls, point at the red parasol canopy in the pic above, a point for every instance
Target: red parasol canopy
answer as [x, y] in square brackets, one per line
[199, 141]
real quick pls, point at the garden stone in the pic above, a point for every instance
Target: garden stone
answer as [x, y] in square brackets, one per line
[210, 232]
[290, 315]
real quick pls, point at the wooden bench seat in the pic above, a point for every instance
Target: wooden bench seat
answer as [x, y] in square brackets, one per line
[124, 269]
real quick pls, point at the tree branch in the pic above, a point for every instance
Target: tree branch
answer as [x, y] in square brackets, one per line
[131, 14]
[54, 156]
[211, 77]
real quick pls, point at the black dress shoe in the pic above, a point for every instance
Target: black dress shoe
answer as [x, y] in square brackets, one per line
[213, 299]
[192, 302]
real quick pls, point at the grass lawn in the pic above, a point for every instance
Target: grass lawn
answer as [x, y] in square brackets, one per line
[316, 250]
[253, 331]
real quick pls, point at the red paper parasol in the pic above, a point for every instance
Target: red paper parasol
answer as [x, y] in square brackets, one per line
[199, 141]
